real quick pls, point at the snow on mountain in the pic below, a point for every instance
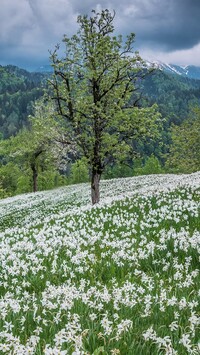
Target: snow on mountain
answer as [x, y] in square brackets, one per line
[189, 71]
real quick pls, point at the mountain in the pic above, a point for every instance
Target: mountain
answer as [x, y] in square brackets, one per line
[189, 71]
[13, 71]
[18, 90]
[174, 94]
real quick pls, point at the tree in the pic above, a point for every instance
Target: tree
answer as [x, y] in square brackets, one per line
[34, 146]
[151, 166]
[93, 88]
[9, 175]
[79, 171]
[18, 91]
[184, 154]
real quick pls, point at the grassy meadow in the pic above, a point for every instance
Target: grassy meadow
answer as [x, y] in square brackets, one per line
[121, 277]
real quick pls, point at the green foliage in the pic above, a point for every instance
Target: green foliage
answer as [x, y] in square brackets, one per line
[174, 95]
[151, 166]
[18, 91]
[98, 108]
[184, 154]
[14, 181]
[99, 351]
[9, 175]
[49, 179]
[117, 170]
[23, 183]
[93, 89]
[79, 171]
[33, 151]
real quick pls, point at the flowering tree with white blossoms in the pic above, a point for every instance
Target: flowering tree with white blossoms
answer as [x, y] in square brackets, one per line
[37, 145]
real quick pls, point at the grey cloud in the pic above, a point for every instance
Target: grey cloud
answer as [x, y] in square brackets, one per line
[28, 28]
[168, 25]
[165, 24]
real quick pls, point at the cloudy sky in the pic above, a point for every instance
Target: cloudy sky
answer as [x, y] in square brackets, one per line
[166, 30]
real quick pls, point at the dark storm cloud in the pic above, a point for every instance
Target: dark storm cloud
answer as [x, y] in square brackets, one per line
[167, 24]
[171, 25]
[28, 28]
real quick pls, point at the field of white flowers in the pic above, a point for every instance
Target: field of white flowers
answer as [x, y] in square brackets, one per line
[118, 278]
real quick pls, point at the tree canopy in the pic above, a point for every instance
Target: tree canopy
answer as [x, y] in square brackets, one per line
[93, 86]
[184, 154]
[36, 145]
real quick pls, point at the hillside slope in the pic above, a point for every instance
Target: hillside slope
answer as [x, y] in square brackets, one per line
[121, 277]
[175, 95]
[189, 71]
[18, 90]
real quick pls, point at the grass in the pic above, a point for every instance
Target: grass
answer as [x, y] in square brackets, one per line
[118, 278]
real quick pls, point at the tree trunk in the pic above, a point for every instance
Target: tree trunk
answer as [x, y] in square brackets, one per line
[95, 194]
[35, 176]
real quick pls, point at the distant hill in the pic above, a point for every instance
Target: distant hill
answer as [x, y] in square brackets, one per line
[14, 71]
[174, 94]
[189, 71]
[171, 89]
[18, 90]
